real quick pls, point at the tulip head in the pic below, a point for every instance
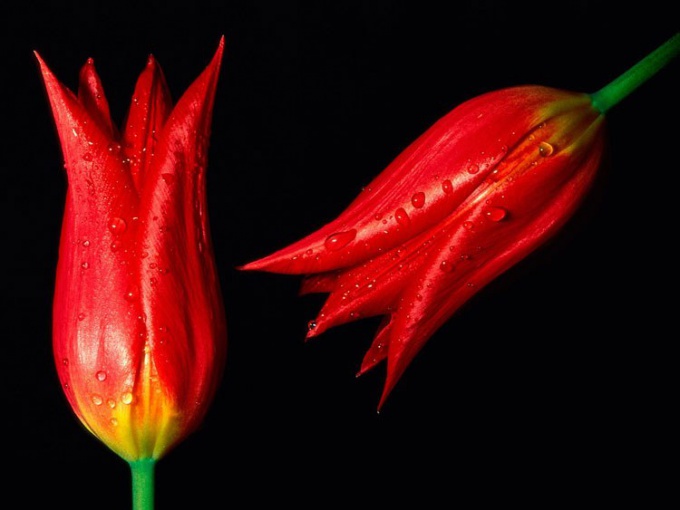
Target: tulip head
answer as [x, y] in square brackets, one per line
[139, 329]
[476, 193]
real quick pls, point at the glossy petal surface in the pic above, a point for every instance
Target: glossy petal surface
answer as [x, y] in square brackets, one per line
[139, 325]
[482, 188]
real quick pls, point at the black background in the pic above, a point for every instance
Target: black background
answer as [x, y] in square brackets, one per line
[554, 384]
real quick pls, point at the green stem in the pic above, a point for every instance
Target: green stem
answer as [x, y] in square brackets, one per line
[618, 89]
[143, 484]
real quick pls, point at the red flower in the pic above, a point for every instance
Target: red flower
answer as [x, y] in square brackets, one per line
[139, 326]
[478, 191]
[482, 188]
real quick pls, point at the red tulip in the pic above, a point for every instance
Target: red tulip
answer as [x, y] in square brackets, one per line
[139, 327]
[486, 185]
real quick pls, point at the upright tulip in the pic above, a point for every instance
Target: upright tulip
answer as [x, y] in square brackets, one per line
[139, 329]
[482, 188]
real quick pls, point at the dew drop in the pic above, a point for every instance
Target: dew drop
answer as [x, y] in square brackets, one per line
[114, 422]
[64, 362]
[87, 156]
[131, 293]
[496, 213]
[115, 246]
[101, 375]
[545, 149]
[402, 217]
[447, 187]
[311, 325]
[446, 266]
[126, 398]
[339, 240]
[467, 225]
[111, 403]
[81, 316]
[473, 168]
[418, 200]
[117, 225]
[86, 243]
[114, 147]
[85, 265]
[97, 400]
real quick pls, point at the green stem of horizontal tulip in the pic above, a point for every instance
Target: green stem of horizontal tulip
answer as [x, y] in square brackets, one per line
[143, 483]
[618, 89]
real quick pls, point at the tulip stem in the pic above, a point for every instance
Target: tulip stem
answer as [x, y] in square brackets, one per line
[618, 89]
[143, 480]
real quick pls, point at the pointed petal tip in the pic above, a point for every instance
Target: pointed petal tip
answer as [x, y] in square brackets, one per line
[262, 264]
[220, 50]
[41, 62]
[249, 266]
[313, 330]
[383, 398]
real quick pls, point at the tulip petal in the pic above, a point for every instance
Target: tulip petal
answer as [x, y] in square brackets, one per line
[149, 109]
[91, 96]
[422, 186]
[178, 247]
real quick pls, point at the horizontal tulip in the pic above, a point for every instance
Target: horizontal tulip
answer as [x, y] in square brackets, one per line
[139, 329]
[486, 185]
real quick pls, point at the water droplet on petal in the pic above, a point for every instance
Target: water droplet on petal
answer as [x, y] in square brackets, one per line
[447, 187]
[339, 240]
[114, 147]
[81, 316]
[126, 398]
[402, 217]
[101, 375]
[467, 225]
[496, 213]
[311, 325]
[131, 293]
[85, 265]
[87, 156]
[117, 225]
[446, 266]
[545, 149]
[418, 200]
[86, 243]
[97, 400]
[473, 168]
